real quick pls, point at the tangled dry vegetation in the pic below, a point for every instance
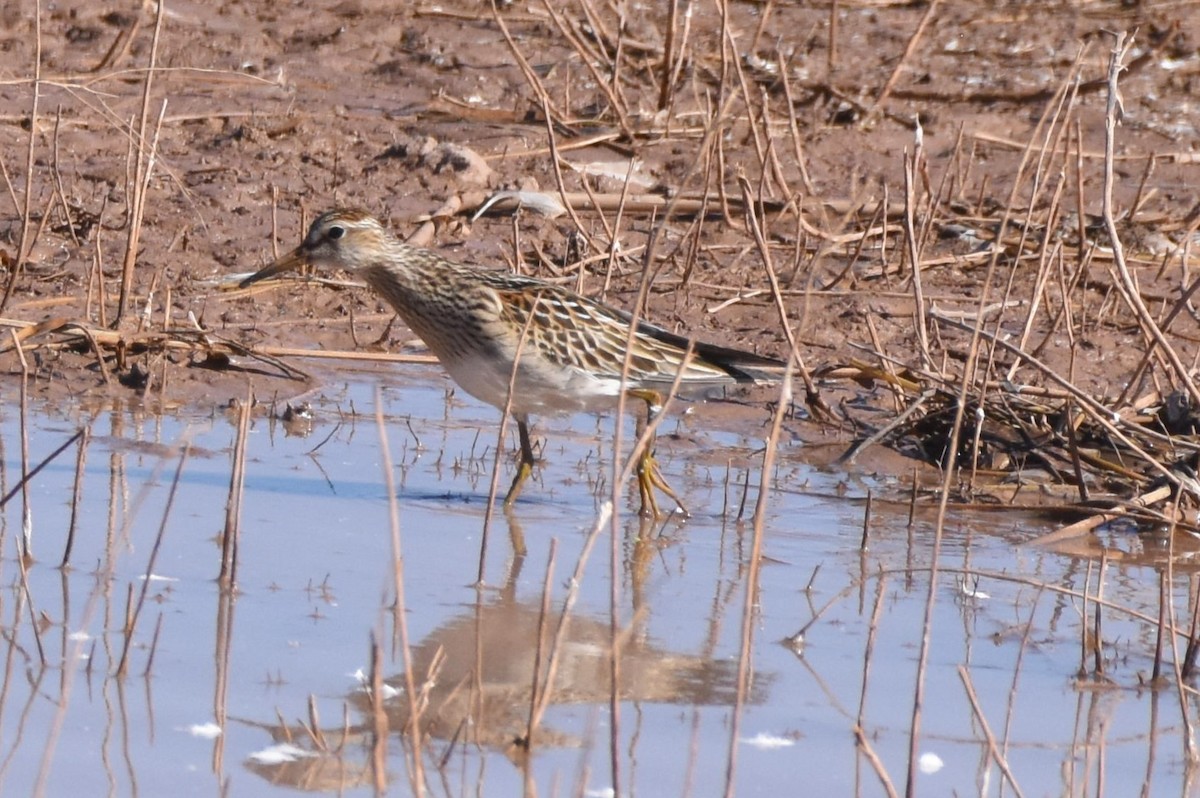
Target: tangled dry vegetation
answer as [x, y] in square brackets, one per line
[936, 209]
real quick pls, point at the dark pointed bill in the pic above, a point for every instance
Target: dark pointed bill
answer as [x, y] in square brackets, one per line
[288, 263]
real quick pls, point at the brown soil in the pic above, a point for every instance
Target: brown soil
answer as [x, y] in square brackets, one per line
[272, 112]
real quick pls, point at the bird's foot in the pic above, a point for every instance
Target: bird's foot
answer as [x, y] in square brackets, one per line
[650, 478]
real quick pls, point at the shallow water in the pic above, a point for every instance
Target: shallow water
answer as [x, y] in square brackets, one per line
[315, 585]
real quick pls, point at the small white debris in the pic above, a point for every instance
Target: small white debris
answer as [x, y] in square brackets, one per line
[971, 589]
[768, 742]
[387, 691]
[930, 763]
[761, 64]
[602, 792]
[279, 754]
[158, 578]
[207, 731]
[537, 201]
[79, 637]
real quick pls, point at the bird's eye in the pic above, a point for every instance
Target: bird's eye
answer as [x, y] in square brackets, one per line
[336, 232]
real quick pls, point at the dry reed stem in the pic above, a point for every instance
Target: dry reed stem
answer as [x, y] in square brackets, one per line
[33, 472]
[12, 190]
[62, 699]
[536, 687]
[861, 738]
[23, 563]
[1098, 620]
[274, 223]
[25, 245]
[227, 576]
[56, 178]
[666, 95]
[186, 340]
[1113, 111]
[379, 725]
[866, 525]
[1189, 733]
[1164, 592]
[573, 585]
[1193, 635]
[26, 547]
[142, 172]
[400, 615]
[314, 724]
[131, 625]
[932, 210]
[84, 437]
[1013, 692]
[581, 143]
[310, 726]
[556, 164]
[939, 528]
[1181, 304]
[614, 247]
[153, 647]
[813, 398]
[1048, 127]
[690, 204]
[753, 571]
[868, 750]
[910, 239]
[993, 749]
[120, 46]
[1181, 157]
[1044, 256]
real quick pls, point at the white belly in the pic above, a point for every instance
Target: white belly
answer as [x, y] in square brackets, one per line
[537, 390]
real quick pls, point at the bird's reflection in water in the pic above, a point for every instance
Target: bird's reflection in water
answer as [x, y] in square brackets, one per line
[475, 679]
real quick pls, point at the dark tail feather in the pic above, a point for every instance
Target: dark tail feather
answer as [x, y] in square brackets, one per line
[741, 365]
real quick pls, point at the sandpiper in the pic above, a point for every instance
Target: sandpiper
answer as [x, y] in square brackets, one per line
[568, 351]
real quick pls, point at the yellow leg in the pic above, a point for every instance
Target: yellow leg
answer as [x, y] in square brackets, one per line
[648, 473]
[646, 467]
[525, 466]
[649, 478]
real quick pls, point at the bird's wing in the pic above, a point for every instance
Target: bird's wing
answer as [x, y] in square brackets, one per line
[571, 330]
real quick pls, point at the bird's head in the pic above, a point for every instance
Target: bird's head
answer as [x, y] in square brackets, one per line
[339, 239]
